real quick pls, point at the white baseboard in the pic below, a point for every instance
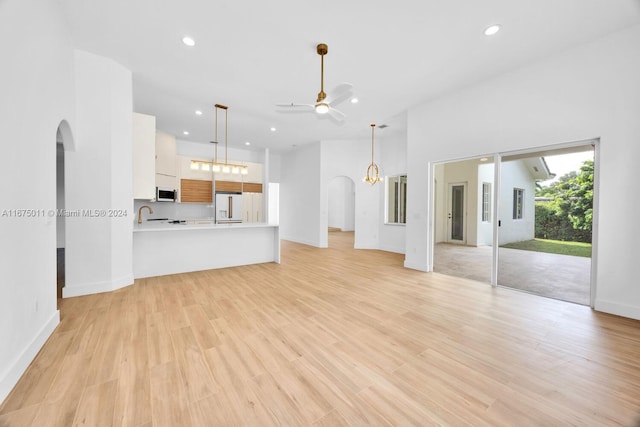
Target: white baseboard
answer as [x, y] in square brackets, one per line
[623, 310]
[394, 249]
[71, 290]
[416, 266]
[11, 376]
[303, 242]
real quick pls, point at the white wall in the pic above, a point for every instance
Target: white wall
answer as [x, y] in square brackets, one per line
[340, 158]
[392, 146]
[514, 174]
[584, 93]
[350, 158]
[98, 255]
[275, 164]
[36, 83]
[300, 196]
[342, 203]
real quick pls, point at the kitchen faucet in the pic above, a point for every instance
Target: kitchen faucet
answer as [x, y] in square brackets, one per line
[140, 212]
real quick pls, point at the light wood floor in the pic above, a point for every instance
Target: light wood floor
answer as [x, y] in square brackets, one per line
[330, 337]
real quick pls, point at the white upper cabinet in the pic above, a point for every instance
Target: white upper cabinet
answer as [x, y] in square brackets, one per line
[144, 152]
[166, 154]
[255, 173]
[186, 172]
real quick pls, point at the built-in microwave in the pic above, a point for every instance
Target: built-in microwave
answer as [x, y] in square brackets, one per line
[166, 194]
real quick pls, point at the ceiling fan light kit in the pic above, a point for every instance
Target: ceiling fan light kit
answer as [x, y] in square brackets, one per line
[322, 108]
[325, 103]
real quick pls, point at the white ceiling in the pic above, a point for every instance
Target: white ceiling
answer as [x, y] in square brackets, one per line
[251, 55]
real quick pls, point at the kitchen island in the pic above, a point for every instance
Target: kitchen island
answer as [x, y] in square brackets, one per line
[161, 248]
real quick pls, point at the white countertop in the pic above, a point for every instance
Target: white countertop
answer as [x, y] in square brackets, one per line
[193, 224]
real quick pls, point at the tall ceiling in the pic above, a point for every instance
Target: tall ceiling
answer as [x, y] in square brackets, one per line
[252, 55]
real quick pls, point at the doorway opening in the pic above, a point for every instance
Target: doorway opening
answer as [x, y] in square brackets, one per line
[539, 208]
[558, 210]
[60, 219]
[341, 211]
[463, 218]
[64, 142]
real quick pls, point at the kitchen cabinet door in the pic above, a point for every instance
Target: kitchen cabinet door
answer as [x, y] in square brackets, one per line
[144, 152]
[255, 173]
[166, 154]
[195, 191]
[252, 207]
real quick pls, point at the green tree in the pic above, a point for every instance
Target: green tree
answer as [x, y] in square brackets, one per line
[571, 203]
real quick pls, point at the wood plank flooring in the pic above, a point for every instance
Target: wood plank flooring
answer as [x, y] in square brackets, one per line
[330, 337]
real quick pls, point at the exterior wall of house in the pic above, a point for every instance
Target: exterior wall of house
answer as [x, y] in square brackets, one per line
[514, 174]
[580, 94]
[486, 174]
[464, 172]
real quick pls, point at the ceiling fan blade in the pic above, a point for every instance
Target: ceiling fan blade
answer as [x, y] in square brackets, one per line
[339, 94]
[336, 114]
[293, 106]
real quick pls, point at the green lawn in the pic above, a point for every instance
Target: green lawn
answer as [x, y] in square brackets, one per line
[553, 247]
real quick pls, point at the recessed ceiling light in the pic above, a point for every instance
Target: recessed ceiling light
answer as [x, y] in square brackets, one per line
[354, 100]
[491, 30]
[188, 41]
[484, 159]
[247, 143]
[198, 113]
[186, 132]
[272, 129]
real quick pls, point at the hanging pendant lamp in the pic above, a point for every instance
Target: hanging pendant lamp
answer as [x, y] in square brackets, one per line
[216, 166]
[373, 173]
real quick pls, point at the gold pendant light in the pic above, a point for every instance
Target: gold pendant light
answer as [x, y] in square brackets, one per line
[217, 167]
[373, 175]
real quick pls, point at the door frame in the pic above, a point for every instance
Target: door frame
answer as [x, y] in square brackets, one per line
[497, 158]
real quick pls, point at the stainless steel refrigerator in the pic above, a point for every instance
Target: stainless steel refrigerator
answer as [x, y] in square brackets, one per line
[228, 208]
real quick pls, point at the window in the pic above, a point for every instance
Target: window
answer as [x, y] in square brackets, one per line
[518, 201]
[396, 212]
[486, 202]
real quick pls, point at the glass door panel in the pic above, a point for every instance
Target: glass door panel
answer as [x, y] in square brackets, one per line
[546, 205]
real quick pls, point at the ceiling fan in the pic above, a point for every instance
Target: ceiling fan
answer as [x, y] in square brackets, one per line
[325, 104]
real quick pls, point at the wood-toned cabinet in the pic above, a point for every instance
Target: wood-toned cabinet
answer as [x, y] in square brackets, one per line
[228, 186]
[196, 191]
[144, 151]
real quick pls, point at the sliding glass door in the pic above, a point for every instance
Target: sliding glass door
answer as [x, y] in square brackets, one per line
[538, 207]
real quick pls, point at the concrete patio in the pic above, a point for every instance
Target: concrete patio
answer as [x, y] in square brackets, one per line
[562, 277]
